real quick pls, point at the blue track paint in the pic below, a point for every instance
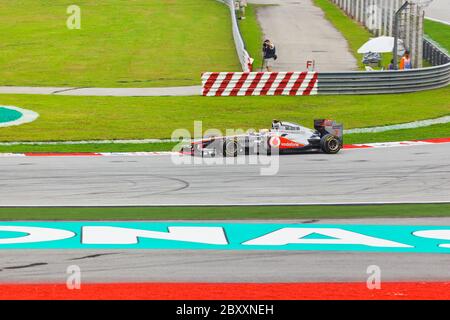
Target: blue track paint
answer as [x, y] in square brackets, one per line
[9, 234]
[9, 115]
[14, 116]
[236, 234]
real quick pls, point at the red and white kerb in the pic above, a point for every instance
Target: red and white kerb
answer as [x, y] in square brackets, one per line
[259, 83]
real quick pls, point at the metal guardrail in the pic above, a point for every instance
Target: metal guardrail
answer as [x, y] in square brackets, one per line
[244, 57]
[376, 82]
[433, 54]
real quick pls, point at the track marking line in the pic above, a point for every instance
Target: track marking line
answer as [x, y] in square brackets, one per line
[160, 153]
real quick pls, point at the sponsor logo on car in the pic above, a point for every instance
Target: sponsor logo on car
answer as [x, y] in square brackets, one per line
[274, 142]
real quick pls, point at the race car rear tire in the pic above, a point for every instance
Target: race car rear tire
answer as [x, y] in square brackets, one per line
[330, 144]
[230, 148]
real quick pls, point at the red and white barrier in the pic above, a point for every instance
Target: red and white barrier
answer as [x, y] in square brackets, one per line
[259, 83]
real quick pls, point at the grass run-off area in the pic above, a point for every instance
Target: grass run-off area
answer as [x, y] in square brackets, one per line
[137, 43]
[434, 131]
[252, 34]
[90, 147]
[439, 32]
[65, 118]
[225, 213]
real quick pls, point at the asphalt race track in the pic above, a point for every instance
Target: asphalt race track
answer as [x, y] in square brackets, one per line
[406, 174]
[439, 9]
[113, 266]
[399, 174]
[301, 33]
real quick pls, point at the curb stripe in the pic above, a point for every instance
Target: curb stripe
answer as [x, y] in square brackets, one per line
[268, 84]
[65, 154]
[259, 83]
[229, 291]
[209, 83]
[224, 84]
[311, 85]
[279, 90]
[254, 83]
[297, 84]
[156, 153]
[239, 84]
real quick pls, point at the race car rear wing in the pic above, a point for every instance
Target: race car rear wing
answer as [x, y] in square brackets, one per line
[325, 126]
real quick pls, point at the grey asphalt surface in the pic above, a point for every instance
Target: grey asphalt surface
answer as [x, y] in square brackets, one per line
[403, 173]
[97, 266]
[301, 33]
[20, 266]
[104, 92]
[400, 174]
[439, 9]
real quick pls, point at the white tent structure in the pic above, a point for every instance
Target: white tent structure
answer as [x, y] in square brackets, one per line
[381, 44]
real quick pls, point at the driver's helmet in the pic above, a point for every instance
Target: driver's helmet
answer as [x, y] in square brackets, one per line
[276, 124]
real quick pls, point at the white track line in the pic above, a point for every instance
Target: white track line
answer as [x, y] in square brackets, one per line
[409, 125]
[233, 204]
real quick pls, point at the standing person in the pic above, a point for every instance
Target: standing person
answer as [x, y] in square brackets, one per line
[236, 7]
[242, 5]
[269, 55]
[391, 65]
[405, 62]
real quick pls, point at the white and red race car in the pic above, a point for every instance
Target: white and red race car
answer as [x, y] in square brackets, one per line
[284, 137]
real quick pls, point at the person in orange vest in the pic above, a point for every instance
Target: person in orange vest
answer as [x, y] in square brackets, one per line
[405, 62]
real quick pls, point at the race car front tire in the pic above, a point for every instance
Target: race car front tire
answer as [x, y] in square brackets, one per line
[330, 144]
[264, 149]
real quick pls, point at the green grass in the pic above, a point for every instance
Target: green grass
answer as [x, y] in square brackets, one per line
[439, 32]
[102, 147]
[355, 34]
[95, 118]
[252, 34]
[71, 118]
[434, 131]
[137, 43]
[226, 213]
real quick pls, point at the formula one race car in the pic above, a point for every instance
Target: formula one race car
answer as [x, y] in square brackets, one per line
[283, 137]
